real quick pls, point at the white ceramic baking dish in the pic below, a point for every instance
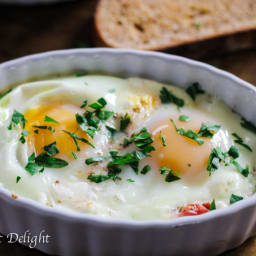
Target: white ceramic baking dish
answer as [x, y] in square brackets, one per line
[82, 234]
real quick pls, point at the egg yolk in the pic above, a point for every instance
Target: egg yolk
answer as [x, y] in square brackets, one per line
[38, 137]
[183, 155]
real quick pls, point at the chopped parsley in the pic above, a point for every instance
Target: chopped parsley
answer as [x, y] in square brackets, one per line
[208, 130]
[130, 180]
[215, 158]
[50, 120]
[162, 138]
[184, 118]
[248, 125]
[44, 160]
[5, 93]
[212, 206]
[240, 141]
[18, 179]
[24, 134]
[193, 90]
[142, 140]
[124, 122]
[234, 198]
[189, 134]
[76, 138]
[97, 159]
[17, 118]
[112, 131]
[101, 103]
[170, 177]
[81, 74]
[233, 152]
[43, 127]
[74, 155]
[83, 123]
[84, 104]
[243, 171]
[145, 169]
[98, 178]
[51, 149]
[167, 97]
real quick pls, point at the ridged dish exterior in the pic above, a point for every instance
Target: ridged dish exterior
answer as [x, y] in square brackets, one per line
[74, 234]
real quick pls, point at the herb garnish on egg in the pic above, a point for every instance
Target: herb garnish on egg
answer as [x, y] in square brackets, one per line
[45, 159]
[17, 118]
[50, 120]
[234, 198]
[142, 141]
[167, 97]
[170, 177]
[193, 90]
[212, 206]
[208, 130]
[189, 133]
[76, 138]
[240, 141]
[217, 156]
[145, 169]
[248, 125]
[124, 122]
[162, 138]
[18, 178]
[184, 118]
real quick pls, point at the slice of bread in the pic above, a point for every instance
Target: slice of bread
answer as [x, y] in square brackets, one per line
[161, 24]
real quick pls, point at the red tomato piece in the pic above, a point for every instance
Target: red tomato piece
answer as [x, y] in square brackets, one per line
[195, 209]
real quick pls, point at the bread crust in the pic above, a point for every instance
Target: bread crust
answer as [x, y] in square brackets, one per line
[101, 41]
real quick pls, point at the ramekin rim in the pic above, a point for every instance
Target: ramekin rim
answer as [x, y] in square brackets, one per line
[75, 216]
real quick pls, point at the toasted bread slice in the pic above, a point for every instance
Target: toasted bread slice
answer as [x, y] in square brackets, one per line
[162, 24]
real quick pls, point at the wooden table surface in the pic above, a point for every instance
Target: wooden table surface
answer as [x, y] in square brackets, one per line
[33, 29]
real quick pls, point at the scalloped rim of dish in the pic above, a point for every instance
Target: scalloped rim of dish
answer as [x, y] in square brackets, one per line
[74, 216]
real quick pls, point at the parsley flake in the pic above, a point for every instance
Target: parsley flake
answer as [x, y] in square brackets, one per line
[167, 97]
[145, 169]
[17, 118]
[18, 179]
[130, 180]
[76, 138]
[162, 138]
[212, 206]
[215, 158]
[97, 159]
[124, 122]
[240, 141]
[24, 134]
[74, 155]
[208, 130]
[193, 90]
[233, 152]
[51, 149]
[184, 118]
[243, 171]
[84, 104]
[98, 178]
[50, 120]
[189, 134]
[248, 125]
[234, 198]
[170, 177]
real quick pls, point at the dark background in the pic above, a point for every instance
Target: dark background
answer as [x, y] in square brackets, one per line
[26, 30]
